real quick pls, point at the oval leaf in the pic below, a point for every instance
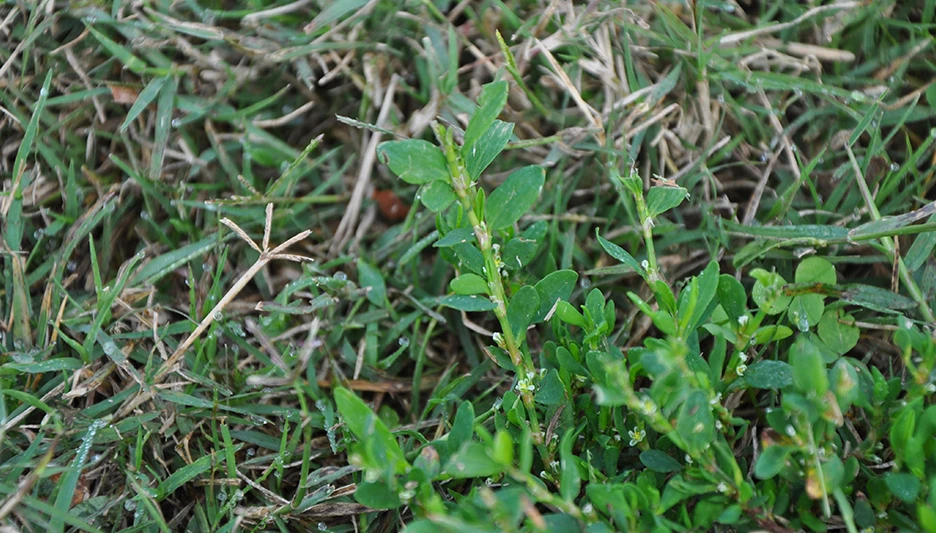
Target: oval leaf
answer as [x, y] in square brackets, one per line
[514, 197]
[414, 161]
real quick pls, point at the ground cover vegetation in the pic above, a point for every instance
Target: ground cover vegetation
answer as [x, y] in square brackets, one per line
[374, 265]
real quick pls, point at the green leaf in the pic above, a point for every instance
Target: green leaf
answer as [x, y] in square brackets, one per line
[468, 284]
[570, 481]
[837, 331]
[514, 197]
[165, 105]
[767, 292]
[503, 450]
[695, 422]
[901, 431]
[620, 254]
[906, 487]
[706, 286]
[772, 461]
[462, 426]
[662, 199]
[377, 495]
[489, 146]
[470, 257]
[456, 236]
[521, 310]
[815, 270]
[437, 195]
[368, 428]
[471, 304]
[51, 365]
[569, 314]
[922, 248]
[472, 460]
[554, 287]
[769, 374]
[844, 382]
[772, 333]
[659, 462]
[185, 474]
[805, 311]
[731, 296]
[13, 218]
[334, 11]
[551, 390]
[875, 297]
[414, 161]
[491, 102]
[132, 62]
[369, 277]
[69, 481]
[143, 100]
[809, 369]
[520, 250]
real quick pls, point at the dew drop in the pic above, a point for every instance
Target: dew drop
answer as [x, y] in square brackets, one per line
[129, 505]
[585, 283]
[222, 496]
[894, 167]
[251, 452]
[217, 315]
[71, 266]
[321, 526]
[341, 276]
[403, 341]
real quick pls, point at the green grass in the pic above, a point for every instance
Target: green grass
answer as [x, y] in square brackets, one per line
[733, 206]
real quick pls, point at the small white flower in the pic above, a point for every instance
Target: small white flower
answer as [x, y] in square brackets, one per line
[743, 357]
[617, 437]
[688, 459]
[498, 339]
[718, 424]
[554, 465]
[930, 387]
[636, 436]
[525, 386]
[588, 508]
[790, 431]
[645, 264]
[716, 400]
[723, 487]
[741, 369]
[742, 320]
[647, 407]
